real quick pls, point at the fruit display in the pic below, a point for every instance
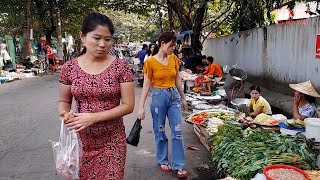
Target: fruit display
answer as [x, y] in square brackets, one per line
[223, 115]
[295, 124]
[247, 122]
[201, 118]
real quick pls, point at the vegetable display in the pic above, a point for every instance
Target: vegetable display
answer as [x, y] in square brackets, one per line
[242, 154]
[201, 118]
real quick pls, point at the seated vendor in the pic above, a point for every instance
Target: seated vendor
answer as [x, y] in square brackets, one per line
[213, 70]
[304, 100]
[258, 104]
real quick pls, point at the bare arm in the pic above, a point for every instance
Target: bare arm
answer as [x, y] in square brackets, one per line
[145, 90]
[126, 106]
[179, 87]
[258, 111]
[65, 99]
[296, 114]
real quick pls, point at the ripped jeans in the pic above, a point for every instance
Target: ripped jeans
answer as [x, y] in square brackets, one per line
[166, 103]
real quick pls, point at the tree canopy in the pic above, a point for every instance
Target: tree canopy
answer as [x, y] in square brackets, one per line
[142, 20]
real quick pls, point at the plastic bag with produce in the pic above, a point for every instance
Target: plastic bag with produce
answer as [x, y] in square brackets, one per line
[67, 153]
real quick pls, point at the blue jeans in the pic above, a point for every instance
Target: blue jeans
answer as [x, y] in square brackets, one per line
[166, 103]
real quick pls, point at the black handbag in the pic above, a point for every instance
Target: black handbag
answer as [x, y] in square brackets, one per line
[134, 136]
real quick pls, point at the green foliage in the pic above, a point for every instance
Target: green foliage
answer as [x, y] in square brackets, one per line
[11, 17]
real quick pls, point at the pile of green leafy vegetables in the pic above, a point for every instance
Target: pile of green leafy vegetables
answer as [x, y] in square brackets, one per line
[242, 154]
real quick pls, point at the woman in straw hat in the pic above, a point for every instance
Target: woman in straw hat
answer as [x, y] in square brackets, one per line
[304, 100]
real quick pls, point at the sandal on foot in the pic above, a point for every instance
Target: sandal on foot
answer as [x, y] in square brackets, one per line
[165, 167]
[180, 174]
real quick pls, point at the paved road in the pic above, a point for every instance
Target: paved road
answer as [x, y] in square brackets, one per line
[29, 119]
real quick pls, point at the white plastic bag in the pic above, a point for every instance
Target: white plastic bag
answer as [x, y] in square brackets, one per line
[259, 177]
[67, 153]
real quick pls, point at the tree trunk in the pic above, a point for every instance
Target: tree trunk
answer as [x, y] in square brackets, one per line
[59, 37]
[197, 26]
[170, 17]
[184, 18]
[42, 14]
[26, 31]
[187, 24]
[50, 30]
[160, 19]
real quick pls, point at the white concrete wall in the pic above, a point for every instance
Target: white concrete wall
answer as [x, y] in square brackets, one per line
[279, 54]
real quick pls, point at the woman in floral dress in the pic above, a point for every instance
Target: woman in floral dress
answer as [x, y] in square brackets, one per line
[98, 82]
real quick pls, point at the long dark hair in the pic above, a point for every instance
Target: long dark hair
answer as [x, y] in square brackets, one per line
[91, 22]
[310, 99]
[166, 37]
[155, 49]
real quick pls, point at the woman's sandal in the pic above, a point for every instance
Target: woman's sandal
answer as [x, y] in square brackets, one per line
[165, 167]
[180, 174]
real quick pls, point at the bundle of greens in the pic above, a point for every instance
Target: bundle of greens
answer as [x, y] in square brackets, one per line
[242, 154]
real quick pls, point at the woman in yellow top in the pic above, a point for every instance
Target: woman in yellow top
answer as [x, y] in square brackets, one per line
[161, 74]
[258, 104]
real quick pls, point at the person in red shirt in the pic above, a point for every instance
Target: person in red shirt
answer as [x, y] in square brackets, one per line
[50, 56]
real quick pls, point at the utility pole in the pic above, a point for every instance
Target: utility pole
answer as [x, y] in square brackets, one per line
[59, 35]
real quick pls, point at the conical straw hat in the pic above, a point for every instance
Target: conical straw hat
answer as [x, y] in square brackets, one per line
[305, 88]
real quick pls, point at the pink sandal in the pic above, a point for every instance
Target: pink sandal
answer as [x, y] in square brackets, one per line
[167, 169]
[180, 175]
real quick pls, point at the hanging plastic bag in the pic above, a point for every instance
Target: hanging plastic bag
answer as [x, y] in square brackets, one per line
[134, 136]
[67, 153]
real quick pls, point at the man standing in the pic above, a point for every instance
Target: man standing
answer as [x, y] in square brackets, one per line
[142, 53]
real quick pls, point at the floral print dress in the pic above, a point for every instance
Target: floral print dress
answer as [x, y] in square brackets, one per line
[104, 143]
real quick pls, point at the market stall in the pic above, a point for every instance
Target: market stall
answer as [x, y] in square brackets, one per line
[6, 76]
[266, 147]
[247, 148]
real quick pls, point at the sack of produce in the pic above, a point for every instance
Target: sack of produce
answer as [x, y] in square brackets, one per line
[264, 119]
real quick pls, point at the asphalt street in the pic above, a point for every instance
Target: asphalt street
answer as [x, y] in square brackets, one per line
[28, 115]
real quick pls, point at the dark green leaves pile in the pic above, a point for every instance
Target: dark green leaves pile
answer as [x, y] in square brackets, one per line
[242, 154]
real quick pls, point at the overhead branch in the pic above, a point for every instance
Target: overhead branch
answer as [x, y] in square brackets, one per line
[222, 14]
[289, 2]
[185, 20]
[216, 27]
[199, 15]
[155, 2]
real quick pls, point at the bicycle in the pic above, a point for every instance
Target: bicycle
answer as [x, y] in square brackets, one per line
[43, 65]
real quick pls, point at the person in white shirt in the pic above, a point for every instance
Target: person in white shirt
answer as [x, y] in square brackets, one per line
[152, 50]
[5, 55]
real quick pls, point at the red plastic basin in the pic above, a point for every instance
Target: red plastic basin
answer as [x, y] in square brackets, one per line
[278, 166]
